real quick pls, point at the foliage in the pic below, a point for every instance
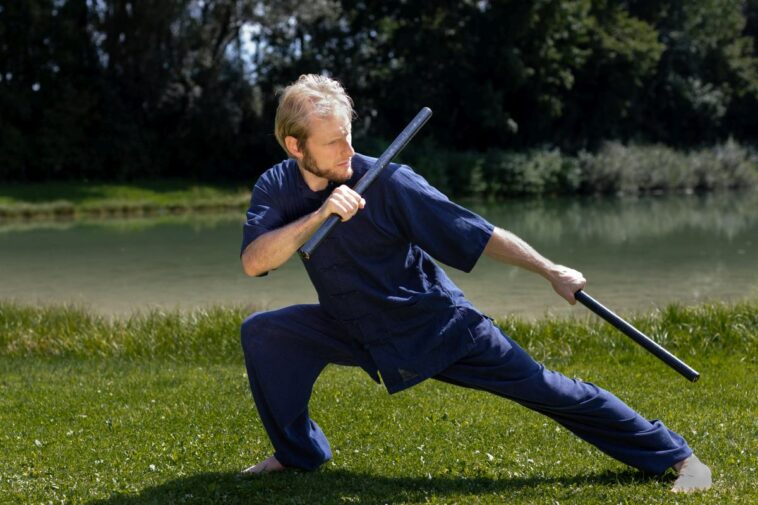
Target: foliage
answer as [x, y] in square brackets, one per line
[117, 89]
[614, 168]
[630, 169]
[120, 89]
[708, 68]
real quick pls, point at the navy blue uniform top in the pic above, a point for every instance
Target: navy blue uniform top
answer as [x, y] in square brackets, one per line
[375, 275]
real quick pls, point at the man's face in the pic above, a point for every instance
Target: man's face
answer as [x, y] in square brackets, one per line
[328, 150]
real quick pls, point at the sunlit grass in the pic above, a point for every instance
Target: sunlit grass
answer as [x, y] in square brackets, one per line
[156, 409]
[212, 334]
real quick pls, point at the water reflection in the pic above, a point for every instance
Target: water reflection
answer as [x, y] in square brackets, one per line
[615, 220]
[637, 253]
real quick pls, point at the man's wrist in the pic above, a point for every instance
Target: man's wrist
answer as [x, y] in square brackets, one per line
[551, 272]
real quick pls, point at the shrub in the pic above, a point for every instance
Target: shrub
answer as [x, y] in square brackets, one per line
[614, 169]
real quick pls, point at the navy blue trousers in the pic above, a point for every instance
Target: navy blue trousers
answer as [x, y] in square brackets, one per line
[286, 350]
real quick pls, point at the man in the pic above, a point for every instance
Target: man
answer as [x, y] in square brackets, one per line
[385, 305]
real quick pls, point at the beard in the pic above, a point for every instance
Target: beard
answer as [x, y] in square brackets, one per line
[310, 165]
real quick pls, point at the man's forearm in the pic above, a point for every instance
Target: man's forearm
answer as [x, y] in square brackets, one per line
[271, 250]
[508, 248]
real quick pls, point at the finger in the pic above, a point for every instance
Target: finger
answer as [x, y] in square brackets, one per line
[342, 209]
[354, 202]
[347, 192]
[355, 198]
[345, 203]
[347, 210]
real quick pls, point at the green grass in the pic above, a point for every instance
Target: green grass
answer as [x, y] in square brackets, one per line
[155, 408]
[89, 199]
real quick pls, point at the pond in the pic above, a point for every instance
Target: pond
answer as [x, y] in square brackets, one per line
[638, 254]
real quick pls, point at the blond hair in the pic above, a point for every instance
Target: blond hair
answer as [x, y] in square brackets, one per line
[310, 94]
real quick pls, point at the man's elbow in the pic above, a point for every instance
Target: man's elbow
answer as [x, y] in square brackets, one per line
[251, 269]
[248, 271]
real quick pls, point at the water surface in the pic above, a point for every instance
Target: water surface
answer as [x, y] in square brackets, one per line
[637, 253]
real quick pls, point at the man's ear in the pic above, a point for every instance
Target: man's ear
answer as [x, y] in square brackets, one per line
[293, 148]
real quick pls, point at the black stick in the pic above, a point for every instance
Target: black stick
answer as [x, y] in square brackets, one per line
[397, 145]
[651, 346]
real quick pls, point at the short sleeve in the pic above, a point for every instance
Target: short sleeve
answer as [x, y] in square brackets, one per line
[448, 232]
[262, 216]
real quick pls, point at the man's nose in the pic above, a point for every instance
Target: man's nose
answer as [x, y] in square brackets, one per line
[348, 148]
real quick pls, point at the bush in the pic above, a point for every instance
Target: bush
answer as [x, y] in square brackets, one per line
[531, 173]
[727, 166]
[614, 169]
[643, 169]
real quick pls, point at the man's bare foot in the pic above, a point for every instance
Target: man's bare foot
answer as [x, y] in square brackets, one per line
[268, 465]
[693, 475]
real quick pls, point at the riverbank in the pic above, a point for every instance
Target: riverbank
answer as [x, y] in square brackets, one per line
[495, 175]
[77, 200]
[613, 169]
[157, 409]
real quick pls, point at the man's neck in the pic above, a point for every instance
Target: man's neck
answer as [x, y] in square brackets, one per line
[314, 182]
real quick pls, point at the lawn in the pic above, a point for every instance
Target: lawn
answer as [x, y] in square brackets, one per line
[93, 414]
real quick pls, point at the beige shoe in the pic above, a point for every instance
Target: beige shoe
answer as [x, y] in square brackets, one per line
[268, 465]
[693, 475]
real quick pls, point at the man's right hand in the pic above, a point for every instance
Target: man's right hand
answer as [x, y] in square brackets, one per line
[344, 202]
[274, 248]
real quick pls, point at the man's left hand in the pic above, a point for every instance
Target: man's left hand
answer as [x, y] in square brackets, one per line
[567, 281]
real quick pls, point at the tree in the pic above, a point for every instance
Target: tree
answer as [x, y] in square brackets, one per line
[707, 68]
[48, 91]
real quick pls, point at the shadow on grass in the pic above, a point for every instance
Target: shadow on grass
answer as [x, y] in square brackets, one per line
[340, 486]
